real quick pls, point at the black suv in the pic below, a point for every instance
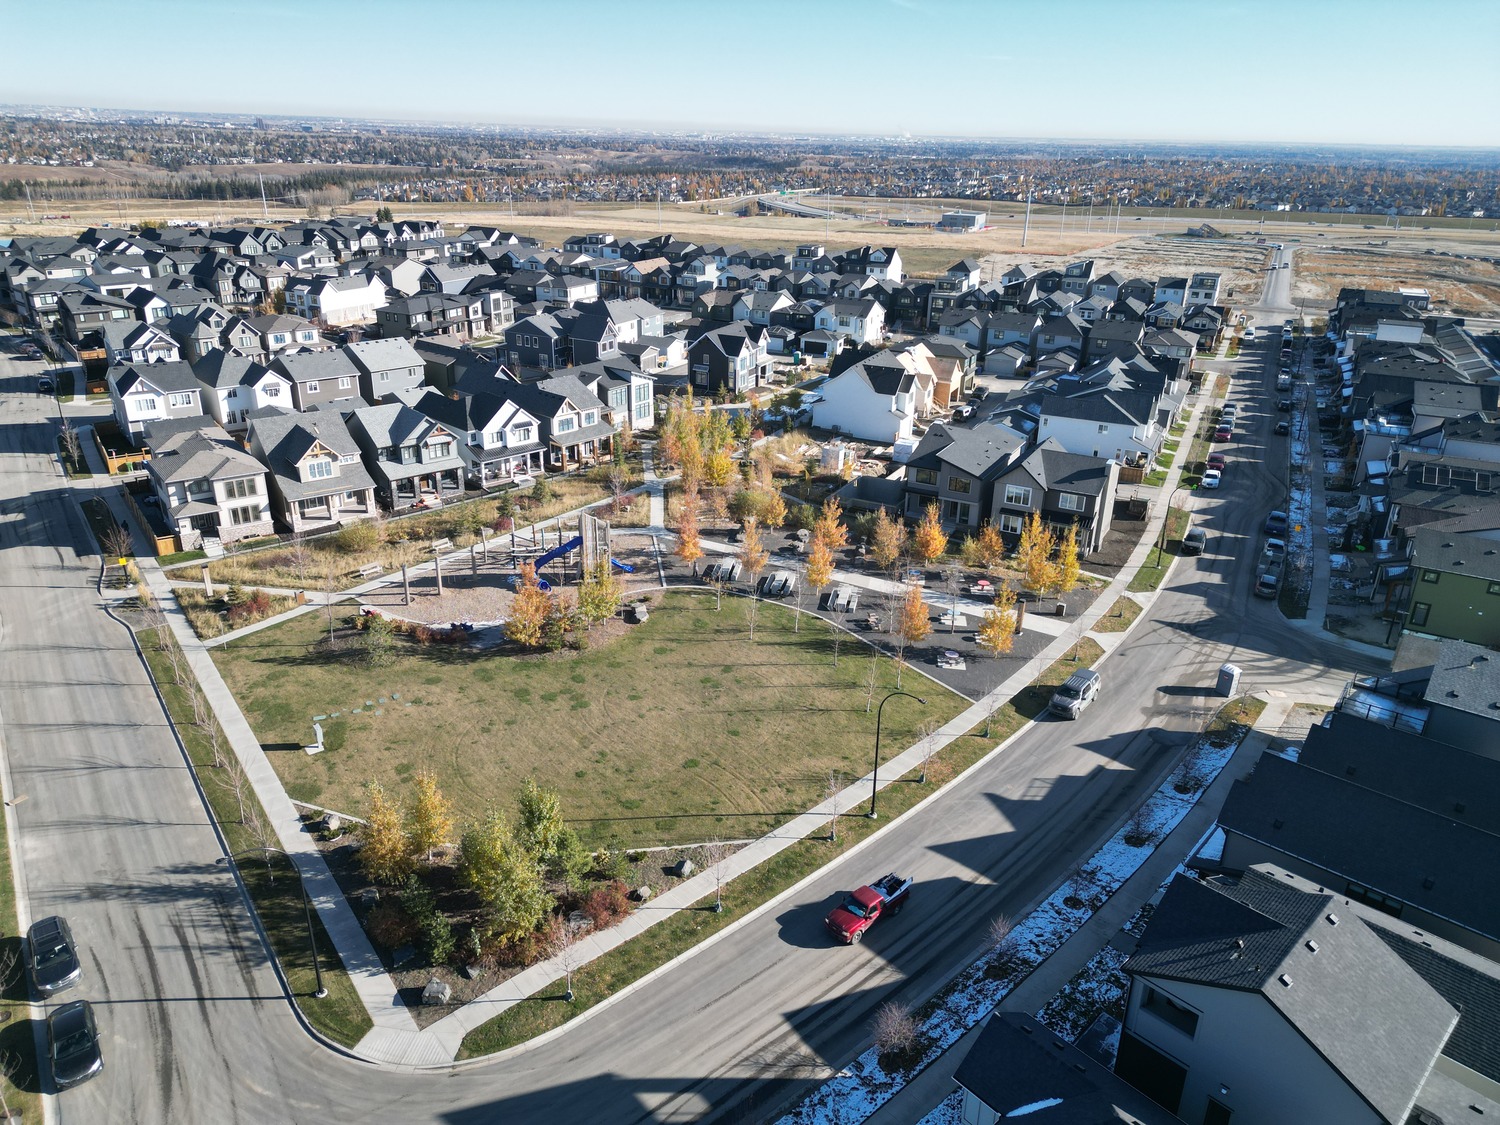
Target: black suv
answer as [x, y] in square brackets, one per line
[73, 1044]
[51, 956]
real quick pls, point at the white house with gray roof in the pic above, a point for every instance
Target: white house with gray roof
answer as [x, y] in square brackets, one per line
[234, 385]
[386, 367]
[873, 401]
[148, 392]
[336, 301]
[411, 456]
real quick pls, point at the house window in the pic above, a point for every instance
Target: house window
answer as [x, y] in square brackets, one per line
[1070, 501]
[240, 516]
[1164, 1008]
[147, 402]
[590, 417]
[926, 476]
[441, 449]
[1373, 898]
[1010, 524]
[567, 424]
[1018, 495]
[1430, 576]
[1104, 427]
[643, 392]
[272, 390]
[312, 388]
[520, 433]
[181, 399]
[1494, 588]
[1419, 612]
[385, 377]
[319, 469]
[239, 489]
[960, 485]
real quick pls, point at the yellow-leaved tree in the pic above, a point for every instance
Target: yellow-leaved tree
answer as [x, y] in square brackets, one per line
[929, 540]
[1066, 563]
[431, 816]
[990, 546]
[529, 610]
[997, 628]
[1034, 556]
[887, 541]
[386, 853]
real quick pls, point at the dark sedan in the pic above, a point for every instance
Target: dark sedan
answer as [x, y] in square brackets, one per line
[73, 1044]
[51, 956]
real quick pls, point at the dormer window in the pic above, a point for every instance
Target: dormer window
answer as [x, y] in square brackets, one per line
[321, 469]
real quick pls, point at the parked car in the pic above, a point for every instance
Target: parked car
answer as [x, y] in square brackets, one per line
[1276, 523]
[1224, 433]
[1211, 478]
[51, 957]
[1249, 333]
[1194, 540]
[73, 1044]
[1283, 427]
[44, 386]
[1218, 461]
[1284, 406]
[1268, 582]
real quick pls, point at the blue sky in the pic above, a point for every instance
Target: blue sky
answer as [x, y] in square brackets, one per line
[1329, 71]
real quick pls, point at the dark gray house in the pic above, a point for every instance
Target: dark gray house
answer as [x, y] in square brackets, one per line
[319, 377]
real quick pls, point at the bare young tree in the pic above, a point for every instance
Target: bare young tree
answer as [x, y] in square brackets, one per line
[117, 542]
[927, 739]
[870, 679]
[894, 1028]
[833, 795]
[838, 643]
[216, 745]
[715, 852]
[237, 783]
[562, 947]
[202, 715]
[999, 929]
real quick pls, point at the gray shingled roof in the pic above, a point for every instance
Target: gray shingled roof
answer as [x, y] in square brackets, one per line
[1377, 1023]
[286, 438]
[1436, 549]
[1436, 864]
[1466, 677]
[307, 367]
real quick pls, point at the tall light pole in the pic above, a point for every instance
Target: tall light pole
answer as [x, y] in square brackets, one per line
[319, 992]
[875, 773]
[1166, 518]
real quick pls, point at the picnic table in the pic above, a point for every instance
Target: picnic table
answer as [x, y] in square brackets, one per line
[951, 659]
[873, 621]
[982, 589]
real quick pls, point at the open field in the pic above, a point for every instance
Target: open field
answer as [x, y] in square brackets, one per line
[1458, 286]
[679, 730]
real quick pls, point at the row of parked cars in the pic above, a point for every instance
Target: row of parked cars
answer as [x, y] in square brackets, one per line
[72, 1034]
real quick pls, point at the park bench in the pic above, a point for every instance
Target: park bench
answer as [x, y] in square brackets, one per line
[441, 545]
[370, 570]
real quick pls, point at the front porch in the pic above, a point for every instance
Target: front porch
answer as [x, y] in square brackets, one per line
[563, 456]
[496, 471]
[334, 508]
[433, 488]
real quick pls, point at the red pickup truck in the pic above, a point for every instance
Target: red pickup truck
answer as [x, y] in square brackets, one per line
[849, 921]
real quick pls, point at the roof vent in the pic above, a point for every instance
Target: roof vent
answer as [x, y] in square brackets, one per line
[1312, 946]
[1348, 771]
[1460, 807]
[1239, 943]
[1333, 919]
[1427, 884]
[1286, 980]
[1453, 695]
[1277, 823]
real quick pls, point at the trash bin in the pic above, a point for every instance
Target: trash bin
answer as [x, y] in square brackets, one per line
[1229, 680]
[1061, 610]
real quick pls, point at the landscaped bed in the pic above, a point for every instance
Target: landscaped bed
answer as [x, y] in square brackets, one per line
[681, 729]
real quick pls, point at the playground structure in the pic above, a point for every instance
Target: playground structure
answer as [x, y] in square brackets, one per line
[590, 541]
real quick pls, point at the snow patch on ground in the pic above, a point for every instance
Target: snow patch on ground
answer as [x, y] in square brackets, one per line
[864, 1086]
[949, 1111]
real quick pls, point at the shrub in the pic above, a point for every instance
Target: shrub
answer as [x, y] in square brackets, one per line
[437, 938]
[358, 537]
[390, 926]
[605, 905]
[610, 864]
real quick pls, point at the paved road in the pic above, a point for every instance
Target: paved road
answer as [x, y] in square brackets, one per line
[195, 1029]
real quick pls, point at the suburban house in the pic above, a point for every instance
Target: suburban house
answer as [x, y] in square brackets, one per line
[1457, 589]
[319, 377]
[1065, 488]
[207, 486]
[411, 456]
[1269, 998]
[234, 385]
[1056, 333]
[1119, 425]
[130, 341]
[955, 467]
[336, 301]
[148, 392]
[279, 332]
[442, 314]
[539, 340]
[862, 321]
[317, 475]
[386, 367]
[575, 425]
[500, 439]
[875, 401]
[627, 393]
[732, 359]
[1203, 289]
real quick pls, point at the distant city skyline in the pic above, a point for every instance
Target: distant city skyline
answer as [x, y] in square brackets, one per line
[1332, 72]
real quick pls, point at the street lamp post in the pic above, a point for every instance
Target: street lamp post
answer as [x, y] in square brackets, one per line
[1161, 541]
[319, 992]
[875, 773]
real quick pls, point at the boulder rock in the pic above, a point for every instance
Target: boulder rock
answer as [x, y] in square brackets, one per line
[437, 992]
[641, 894]
[683, 868]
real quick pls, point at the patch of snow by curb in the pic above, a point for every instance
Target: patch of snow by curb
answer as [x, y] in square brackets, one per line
[863, 1086]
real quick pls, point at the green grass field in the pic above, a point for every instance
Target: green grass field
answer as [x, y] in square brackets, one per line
[676, 731]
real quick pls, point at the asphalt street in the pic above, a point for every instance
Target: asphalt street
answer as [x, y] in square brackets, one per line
[195, 1029]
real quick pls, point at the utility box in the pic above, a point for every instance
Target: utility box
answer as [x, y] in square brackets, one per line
[1229, 680]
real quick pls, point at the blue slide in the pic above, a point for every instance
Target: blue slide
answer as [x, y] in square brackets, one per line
[618, 565]
[558, 552]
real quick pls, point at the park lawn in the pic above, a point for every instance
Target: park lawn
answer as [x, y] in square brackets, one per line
[676, 731]
[343, 553]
